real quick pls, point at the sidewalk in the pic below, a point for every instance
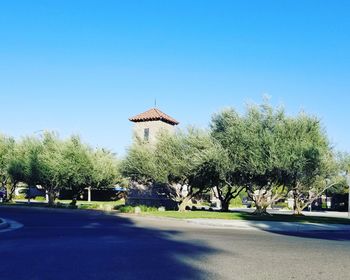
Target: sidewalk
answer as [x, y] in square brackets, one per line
[330, 214]
[271, 226]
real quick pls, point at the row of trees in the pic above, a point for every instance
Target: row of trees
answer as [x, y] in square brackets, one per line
[54, 164]
[263, 152]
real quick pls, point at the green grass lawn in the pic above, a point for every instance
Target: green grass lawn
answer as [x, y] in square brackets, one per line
[246, 216]
[147, 211]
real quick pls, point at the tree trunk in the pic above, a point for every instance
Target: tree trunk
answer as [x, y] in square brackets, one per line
[261, 201]
[225, 205]
[225, 199]
[184, 203]
[260, 210]
[52, 198]
[12, 191]
[74, 200]
[3, 181]
[4, 186]
[297, 208]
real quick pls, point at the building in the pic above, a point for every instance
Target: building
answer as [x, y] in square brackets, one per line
[150, 123]
[147, 126]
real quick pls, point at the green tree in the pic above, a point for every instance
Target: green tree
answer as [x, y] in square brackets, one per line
[42, 163]
[17, 168]
[184, 160]
[76, 167]
[54, 164]
[250, 146]
[46, 165]
[139, 164]
[271, 154]
[176, 160]
[307, 164]
[81, 167]
[7, 146]
[228, 129]
[105, 171]
[266, 179]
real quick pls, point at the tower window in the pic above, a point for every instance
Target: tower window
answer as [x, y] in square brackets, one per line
[146, 135]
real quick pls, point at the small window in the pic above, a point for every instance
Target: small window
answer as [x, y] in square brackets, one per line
[146, 135]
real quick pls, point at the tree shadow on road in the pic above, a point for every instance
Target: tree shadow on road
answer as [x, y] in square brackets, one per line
[86, 245]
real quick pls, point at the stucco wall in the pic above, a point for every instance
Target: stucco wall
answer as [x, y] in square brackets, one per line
[155, 127]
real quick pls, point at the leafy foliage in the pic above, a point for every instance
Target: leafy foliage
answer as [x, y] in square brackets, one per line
[54, 164]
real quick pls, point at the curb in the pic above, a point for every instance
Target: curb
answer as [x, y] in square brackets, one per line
[3, 224]
[270, 226]
[48, 209]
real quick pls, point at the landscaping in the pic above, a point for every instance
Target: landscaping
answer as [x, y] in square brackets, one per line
[85, 205]
[142, 210]
[262, 155]
[283, 217]
[258, 159]
[247, 216]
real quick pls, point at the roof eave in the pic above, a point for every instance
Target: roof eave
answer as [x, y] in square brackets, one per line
[154, 119]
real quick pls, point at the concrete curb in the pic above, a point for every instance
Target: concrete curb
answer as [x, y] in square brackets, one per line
[269, 226]
[48, 209]
[272, 226]
[3, 224]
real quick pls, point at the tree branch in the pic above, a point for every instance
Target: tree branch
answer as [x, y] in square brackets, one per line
[318, 195]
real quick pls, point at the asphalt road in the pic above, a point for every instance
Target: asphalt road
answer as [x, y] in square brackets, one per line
[61, 244]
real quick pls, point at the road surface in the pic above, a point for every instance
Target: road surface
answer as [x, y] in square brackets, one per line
[63, 244]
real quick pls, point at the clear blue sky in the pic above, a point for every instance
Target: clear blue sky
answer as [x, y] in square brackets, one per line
[86, 66]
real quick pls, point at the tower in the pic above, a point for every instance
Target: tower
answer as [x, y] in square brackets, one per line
[147, 126]
[150, 123]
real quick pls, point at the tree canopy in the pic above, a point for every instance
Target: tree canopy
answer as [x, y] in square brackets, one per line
[263, 151]
[54, 164]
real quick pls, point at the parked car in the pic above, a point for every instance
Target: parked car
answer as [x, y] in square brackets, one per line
[3, 194]
[34, 191]
[248, 203]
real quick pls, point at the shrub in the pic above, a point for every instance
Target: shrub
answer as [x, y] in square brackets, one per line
[89, 206]
[125, 209]
[131, 209]
[20, 196]
[145, 208]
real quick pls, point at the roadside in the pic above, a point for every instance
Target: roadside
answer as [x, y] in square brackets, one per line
[268, 226]
[292, 227]
[245, 216]
[65, 204]
[229, 221]
[234, 220]
[320, 213]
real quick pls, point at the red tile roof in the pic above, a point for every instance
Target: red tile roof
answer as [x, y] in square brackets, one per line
[154, 115]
